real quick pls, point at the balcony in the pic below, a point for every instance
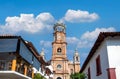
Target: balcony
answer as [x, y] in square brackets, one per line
[17, 58]
[12, 75]
[10, 70]
[5, 65]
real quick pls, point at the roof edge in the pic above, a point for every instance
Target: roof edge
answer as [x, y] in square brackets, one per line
[100, 39]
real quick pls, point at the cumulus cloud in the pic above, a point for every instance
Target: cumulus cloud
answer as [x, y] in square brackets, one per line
[33, 24]
[28, 23]
[94, 34]
[45, 43]
[88, 38]
[72, 40]
[77, 16]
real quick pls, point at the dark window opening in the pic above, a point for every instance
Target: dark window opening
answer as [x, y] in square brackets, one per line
[89, 75]
[59, 66]
[98, 66]
[59, 78]
[59, 50]
[77, 59]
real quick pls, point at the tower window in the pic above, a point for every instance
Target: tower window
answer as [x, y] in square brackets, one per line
[59, 66]
[77, 59]
[59, 50]
[59, 78]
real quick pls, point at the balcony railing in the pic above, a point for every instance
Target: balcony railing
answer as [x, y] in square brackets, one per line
[24, 69]
[5, 65]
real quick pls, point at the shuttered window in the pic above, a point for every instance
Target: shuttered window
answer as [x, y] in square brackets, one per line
[98, 66]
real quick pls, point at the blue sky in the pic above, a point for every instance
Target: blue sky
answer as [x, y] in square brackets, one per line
[84, 19]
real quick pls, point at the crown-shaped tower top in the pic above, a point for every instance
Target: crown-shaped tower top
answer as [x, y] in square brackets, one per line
[60, 27]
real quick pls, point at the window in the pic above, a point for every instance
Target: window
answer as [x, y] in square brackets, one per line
[59, 78]
[98, 66]
[59, 50]
[89, 75]
[77, 59]
[59, 66]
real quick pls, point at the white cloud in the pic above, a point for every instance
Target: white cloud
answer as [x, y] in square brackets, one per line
[28, 23]
[88, 38]
[45, 43]
[83, 44]
[72, 40]
[77, 16]
[31, 24]
[78, 42]
[94, 34]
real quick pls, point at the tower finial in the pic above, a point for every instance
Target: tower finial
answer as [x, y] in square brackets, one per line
[42, 53]
[59, 26]
[76, 56]
[76, 50]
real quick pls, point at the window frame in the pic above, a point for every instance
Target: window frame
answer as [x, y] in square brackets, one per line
[59, 66]
[89, 73]
[98, 66]
[59, 50]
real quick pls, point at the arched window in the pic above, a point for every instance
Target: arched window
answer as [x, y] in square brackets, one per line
[77, 59]
[59, 50]
[59, 66]
[59, 78]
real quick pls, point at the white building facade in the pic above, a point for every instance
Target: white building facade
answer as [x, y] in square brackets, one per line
[103, 61]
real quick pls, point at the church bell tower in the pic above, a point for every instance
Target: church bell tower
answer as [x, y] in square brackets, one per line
[59, 43]
[59, 60]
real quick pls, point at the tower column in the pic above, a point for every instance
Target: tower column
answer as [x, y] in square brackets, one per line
[76, 61]
[59, 57]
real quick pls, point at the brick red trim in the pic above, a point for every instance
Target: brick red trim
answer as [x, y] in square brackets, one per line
[111, 73]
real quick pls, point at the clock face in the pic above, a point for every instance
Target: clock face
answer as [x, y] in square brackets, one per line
[58, 37]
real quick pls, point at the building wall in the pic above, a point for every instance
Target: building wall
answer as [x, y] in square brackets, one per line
[102, 51]
[65, 70]
[63, 53]
[113, 47]
[62, 72]
[71, 67]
